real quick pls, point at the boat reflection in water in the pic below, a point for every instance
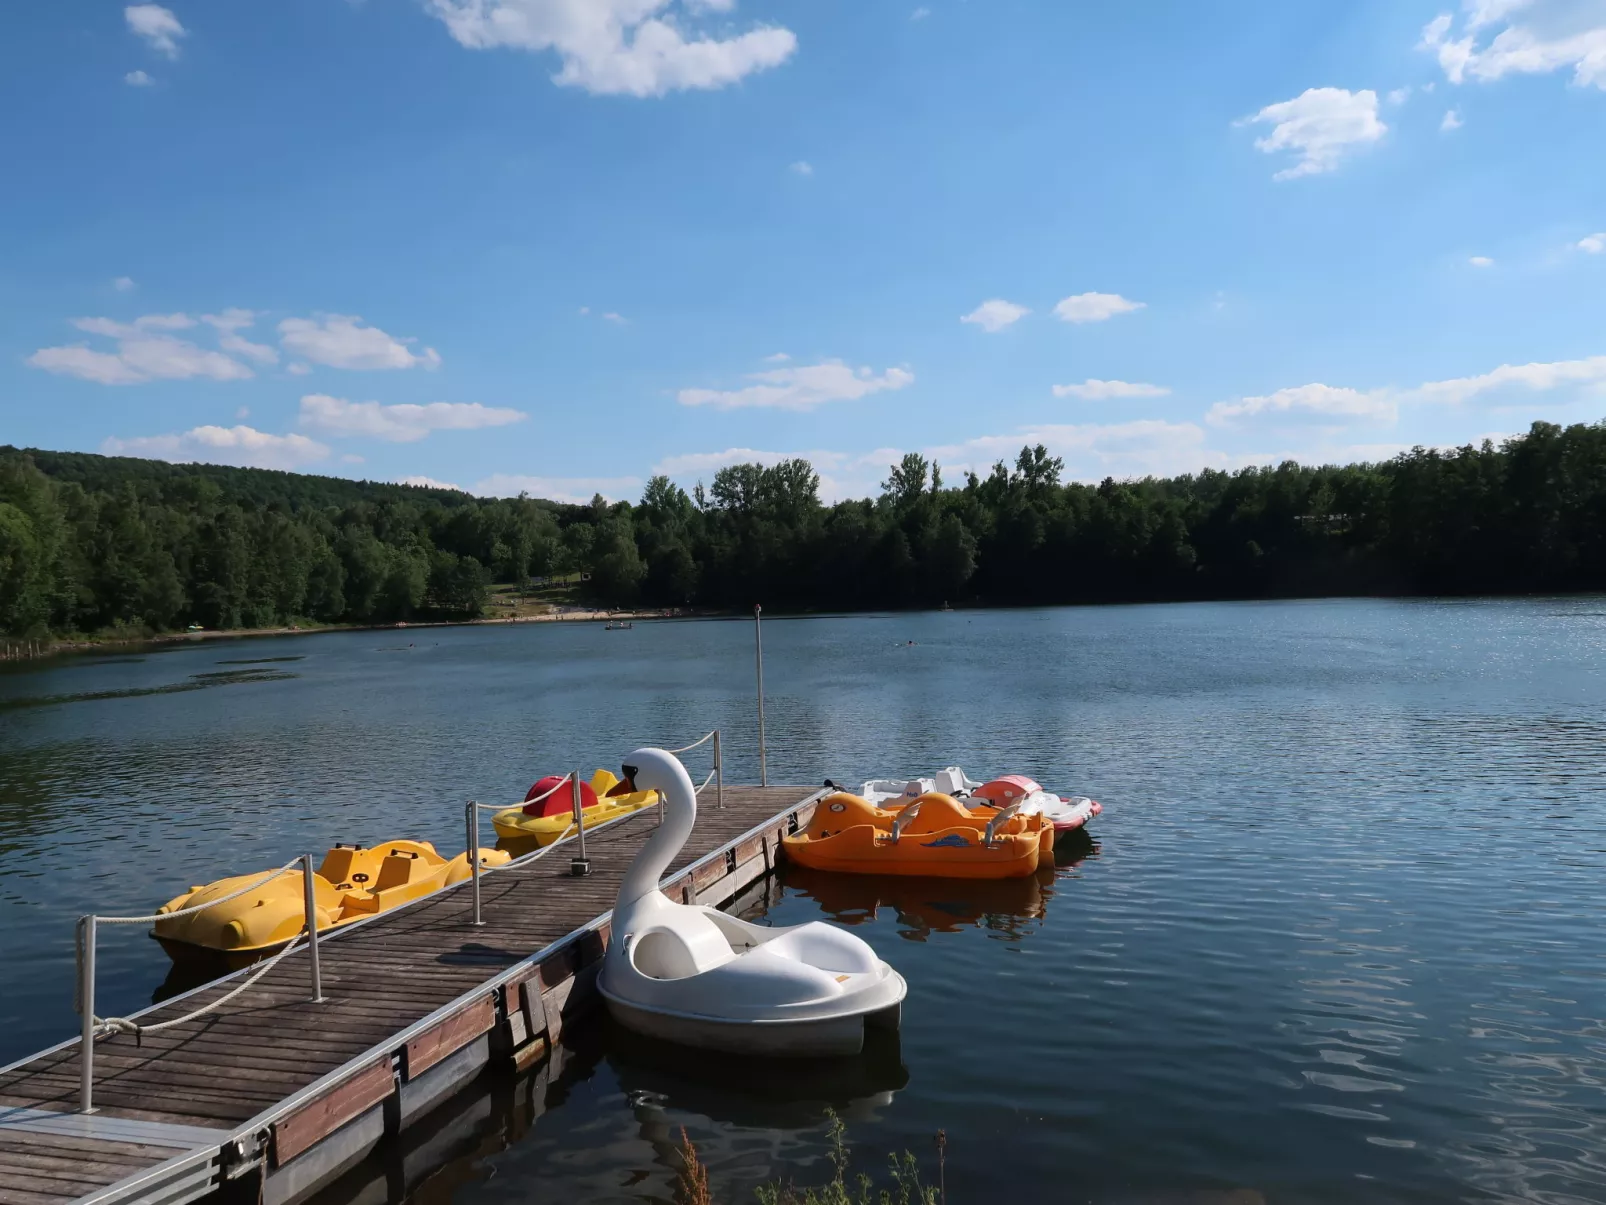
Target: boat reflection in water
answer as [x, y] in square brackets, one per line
[1010, 907]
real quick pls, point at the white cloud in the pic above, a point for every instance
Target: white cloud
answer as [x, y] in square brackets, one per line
[1551, 36]
[995, 314]
[229, 324]
[556, 489]
[1451, 120]
[1593, 244]
[124, 284]
[341, 341]
[920, 14]
[144, 353]
[1094, 390]
[157, 25]
[405, 423]
[298, 369]
[616, 318]
[801, 168]
[1309, 401]
[779, 357]
[138, 79]
[429, 483]
[1535, 377]
[1400, 95]
[1094, 307]
[1319, 125]
[223, 445]
[1481, 261]
[628, 47]
[1092, 451]
[800, 388]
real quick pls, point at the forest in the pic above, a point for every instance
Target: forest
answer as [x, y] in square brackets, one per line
[102, 545]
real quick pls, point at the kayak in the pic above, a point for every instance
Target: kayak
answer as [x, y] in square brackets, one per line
[353, 883]
[547, 814]
[1066, 813]
[932, 836]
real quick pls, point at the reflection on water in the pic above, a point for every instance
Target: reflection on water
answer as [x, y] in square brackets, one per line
[194, 682]
[1340, 937]
[261, 660]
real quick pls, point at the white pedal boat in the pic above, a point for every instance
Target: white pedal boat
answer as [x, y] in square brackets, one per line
[695, 976]
[1066, 814]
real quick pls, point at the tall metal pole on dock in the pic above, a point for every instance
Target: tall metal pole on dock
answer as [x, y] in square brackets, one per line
[310, 903]
[580, 865]
[758, 646]
[474, 854]
[86, 1006]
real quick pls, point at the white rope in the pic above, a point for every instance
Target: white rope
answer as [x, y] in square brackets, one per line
[694, 744]
[110, 1025]
[233, 895]
[706, 781]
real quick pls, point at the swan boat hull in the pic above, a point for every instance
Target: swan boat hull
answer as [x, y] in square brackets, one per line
[822, 1037]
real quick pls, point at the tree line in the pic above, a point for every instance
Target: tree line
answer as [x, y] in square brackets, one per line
[103, 544]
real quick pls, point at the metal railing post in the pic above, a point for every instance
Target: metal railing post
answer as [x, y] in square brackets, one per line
[580, 865]
[719, 773]
[758, 647]
[472, 822]
[86, 1006]
[310, 903]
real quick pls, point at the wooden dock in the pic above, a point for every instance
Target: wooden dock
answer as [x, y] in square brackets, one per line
[272, 1096]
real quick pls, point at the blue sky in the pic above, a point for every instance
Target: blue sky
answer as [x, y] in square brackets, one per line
[560, 245]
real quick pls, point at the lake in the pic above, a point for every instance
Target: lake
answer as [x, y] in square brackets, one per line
[1339, 938]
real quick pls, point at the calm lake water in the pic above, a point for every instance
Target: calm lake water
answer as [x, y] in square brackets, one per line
[1342, 936]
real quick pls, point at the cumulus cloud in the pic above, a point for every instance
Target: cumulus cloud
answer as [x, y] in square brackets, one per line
[1094, 307]
[1451, 120]
[223, 445]
[801, 388]
[801, 168]
[124, 284]
[1540, 377]
[628, 47]
[342, 341]
[1498, 38]
[1480, 261]
[405, 423]
[1092, 451]
[1400, 95]
[1319, 126]
[1094, 390]
[557, 489]
[1593, 244]
[145, 351]
[138, 79]
[1309, 401]
[995, 314]
[429, 483]
[157, 25]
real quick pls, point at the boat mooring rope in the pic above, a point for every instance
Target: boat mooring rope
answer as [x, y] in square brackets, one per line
[694, 744]
[233, 895]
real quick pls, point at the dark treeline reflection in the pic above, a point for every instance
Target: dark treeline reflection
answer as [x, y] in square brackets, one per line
[90, 543]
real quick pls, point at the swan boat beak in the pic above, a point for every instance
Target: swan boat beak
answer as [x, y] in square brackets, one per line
[626, 785]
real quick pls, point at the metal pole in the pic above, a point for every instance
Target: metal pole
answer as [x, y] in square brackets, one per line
[758, 646]
[580, 865]
[310, 902]
[86, 1006]
[719, 773]
[474, 854]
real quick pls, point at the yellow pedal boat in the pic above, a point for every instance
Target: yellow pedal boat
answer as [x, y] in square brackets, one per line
[353, 882]
[551, 818]
[933, 836]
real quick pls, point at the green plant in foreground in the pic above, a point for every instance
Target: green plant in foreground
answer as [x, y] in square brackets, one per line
[906, 1188]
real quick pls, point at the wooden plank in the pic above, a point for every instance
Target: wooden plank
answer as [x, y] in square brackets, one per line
[449, 1036]
[300, 1130]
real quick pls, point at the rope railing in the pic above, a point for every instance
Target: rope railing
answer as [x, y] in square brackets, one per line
[687, 749]
[94, 1026]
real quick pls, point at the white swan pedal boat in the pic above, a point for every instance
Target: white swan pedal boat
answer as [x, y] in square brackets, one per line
[1066, 813]
[696, 976]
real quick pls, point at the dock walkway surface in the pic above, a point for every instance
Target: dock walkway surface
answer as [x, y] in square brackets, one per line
[273, 1095]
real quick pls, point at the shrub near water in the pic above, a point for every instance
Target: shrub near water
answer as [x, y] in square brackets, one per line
[691, 1184]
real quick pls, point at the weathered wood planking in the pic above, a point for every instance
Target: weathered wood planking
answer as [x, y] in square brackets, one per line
[261, 1055]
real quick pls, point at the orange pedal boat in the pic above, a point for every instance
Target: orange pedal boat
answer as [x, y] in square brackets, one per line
[934, 836]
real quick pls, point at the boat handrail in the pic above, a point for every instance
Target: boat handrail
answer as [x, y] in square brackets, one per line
[1004, 816]
[901, 821]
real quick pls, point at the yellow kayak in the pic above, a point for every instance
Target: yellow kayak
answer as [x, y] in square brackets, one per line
[549, 819]
[352, 883]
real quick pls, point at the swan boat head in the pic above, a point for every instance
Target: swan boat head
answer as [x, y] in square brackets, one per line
[695, 975]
